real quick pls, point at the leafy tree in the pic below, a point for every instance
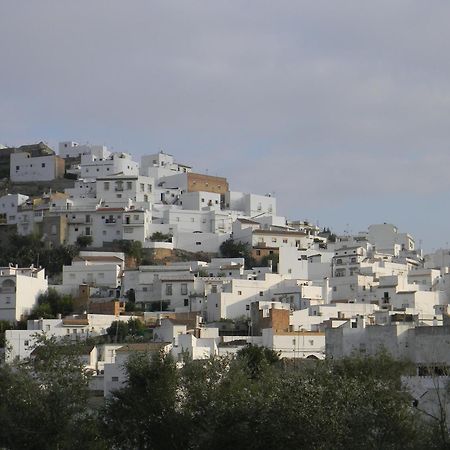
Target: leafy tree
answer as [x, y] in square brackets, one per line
[41, 398]
[27, 250]
[117, 331]
[84, 241]
[121, 331]
[132, 249]
[4, 325]
[136, 328]
[234, 249]
[161, 237]
[275, 257]
[257, 359]
[52, 303]
[144, 414]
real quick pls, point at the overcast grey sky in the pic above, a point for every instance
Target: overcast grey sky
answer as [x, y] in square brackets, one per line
[342, 108]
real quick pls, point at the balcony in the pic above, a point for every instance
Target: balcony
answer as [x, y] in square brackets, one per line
[110, 221]
[77, 220]
[118, 188]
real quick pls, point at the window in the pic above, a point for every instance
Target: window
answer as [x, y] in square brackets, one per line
[198, 243]
[214, 289]
[168, 289]
[274, 239]
[129, 185]
[186, 302]
[239, 292]
[261, 293]
[17, 167]
[88, 231]
[26, 343]
[119, 195]
[353, 259]
[142, 187]
[136, 217]
[115, 379]
[285, 241]
[258, 252]
[184, 289]
[247, 307]
[43, 165]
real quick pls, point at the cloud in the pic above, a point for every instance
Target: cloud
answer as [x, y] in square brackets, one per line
[342, 100]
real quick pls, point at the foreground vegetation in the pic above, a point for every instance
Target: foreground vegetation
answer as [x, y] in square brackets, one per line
[251, 401]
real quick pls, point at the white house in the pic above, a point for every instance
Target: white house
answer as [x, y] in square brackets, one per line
[386, 239]
[93, 167]
[235, 298]
[9, 205]
[19, 291]
[71, 149]
[161, 165]
[25, 168]
[100, 269]
[251, 204]
[119, 190]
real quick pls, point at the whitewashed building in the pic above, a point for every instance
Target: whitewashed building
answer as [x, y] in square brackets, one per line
[19, 291]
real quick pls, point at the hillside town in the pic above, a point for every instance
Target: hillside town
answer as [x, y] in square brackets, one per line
[205, 270]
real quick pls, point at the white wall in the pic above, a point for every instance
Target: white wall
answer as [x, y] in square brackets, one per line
[20, 289]
[24, 168]
[198, 242]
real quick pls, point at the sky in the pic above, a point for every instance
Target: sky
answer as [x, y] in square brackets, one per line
[341, 108]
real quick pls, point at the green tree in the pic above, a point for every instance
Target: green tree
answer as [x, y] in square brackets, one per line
[136, 328]
[52, 303]
[84, 241]
[161, 237]
[257, 359]
[41, 398]
[234, 249]
[117, 331]
[144, 414]
[274, 258]
[132, 249]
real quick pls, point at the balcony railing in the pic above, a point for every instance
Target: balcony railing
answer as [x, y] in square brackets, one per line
[110, 221]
